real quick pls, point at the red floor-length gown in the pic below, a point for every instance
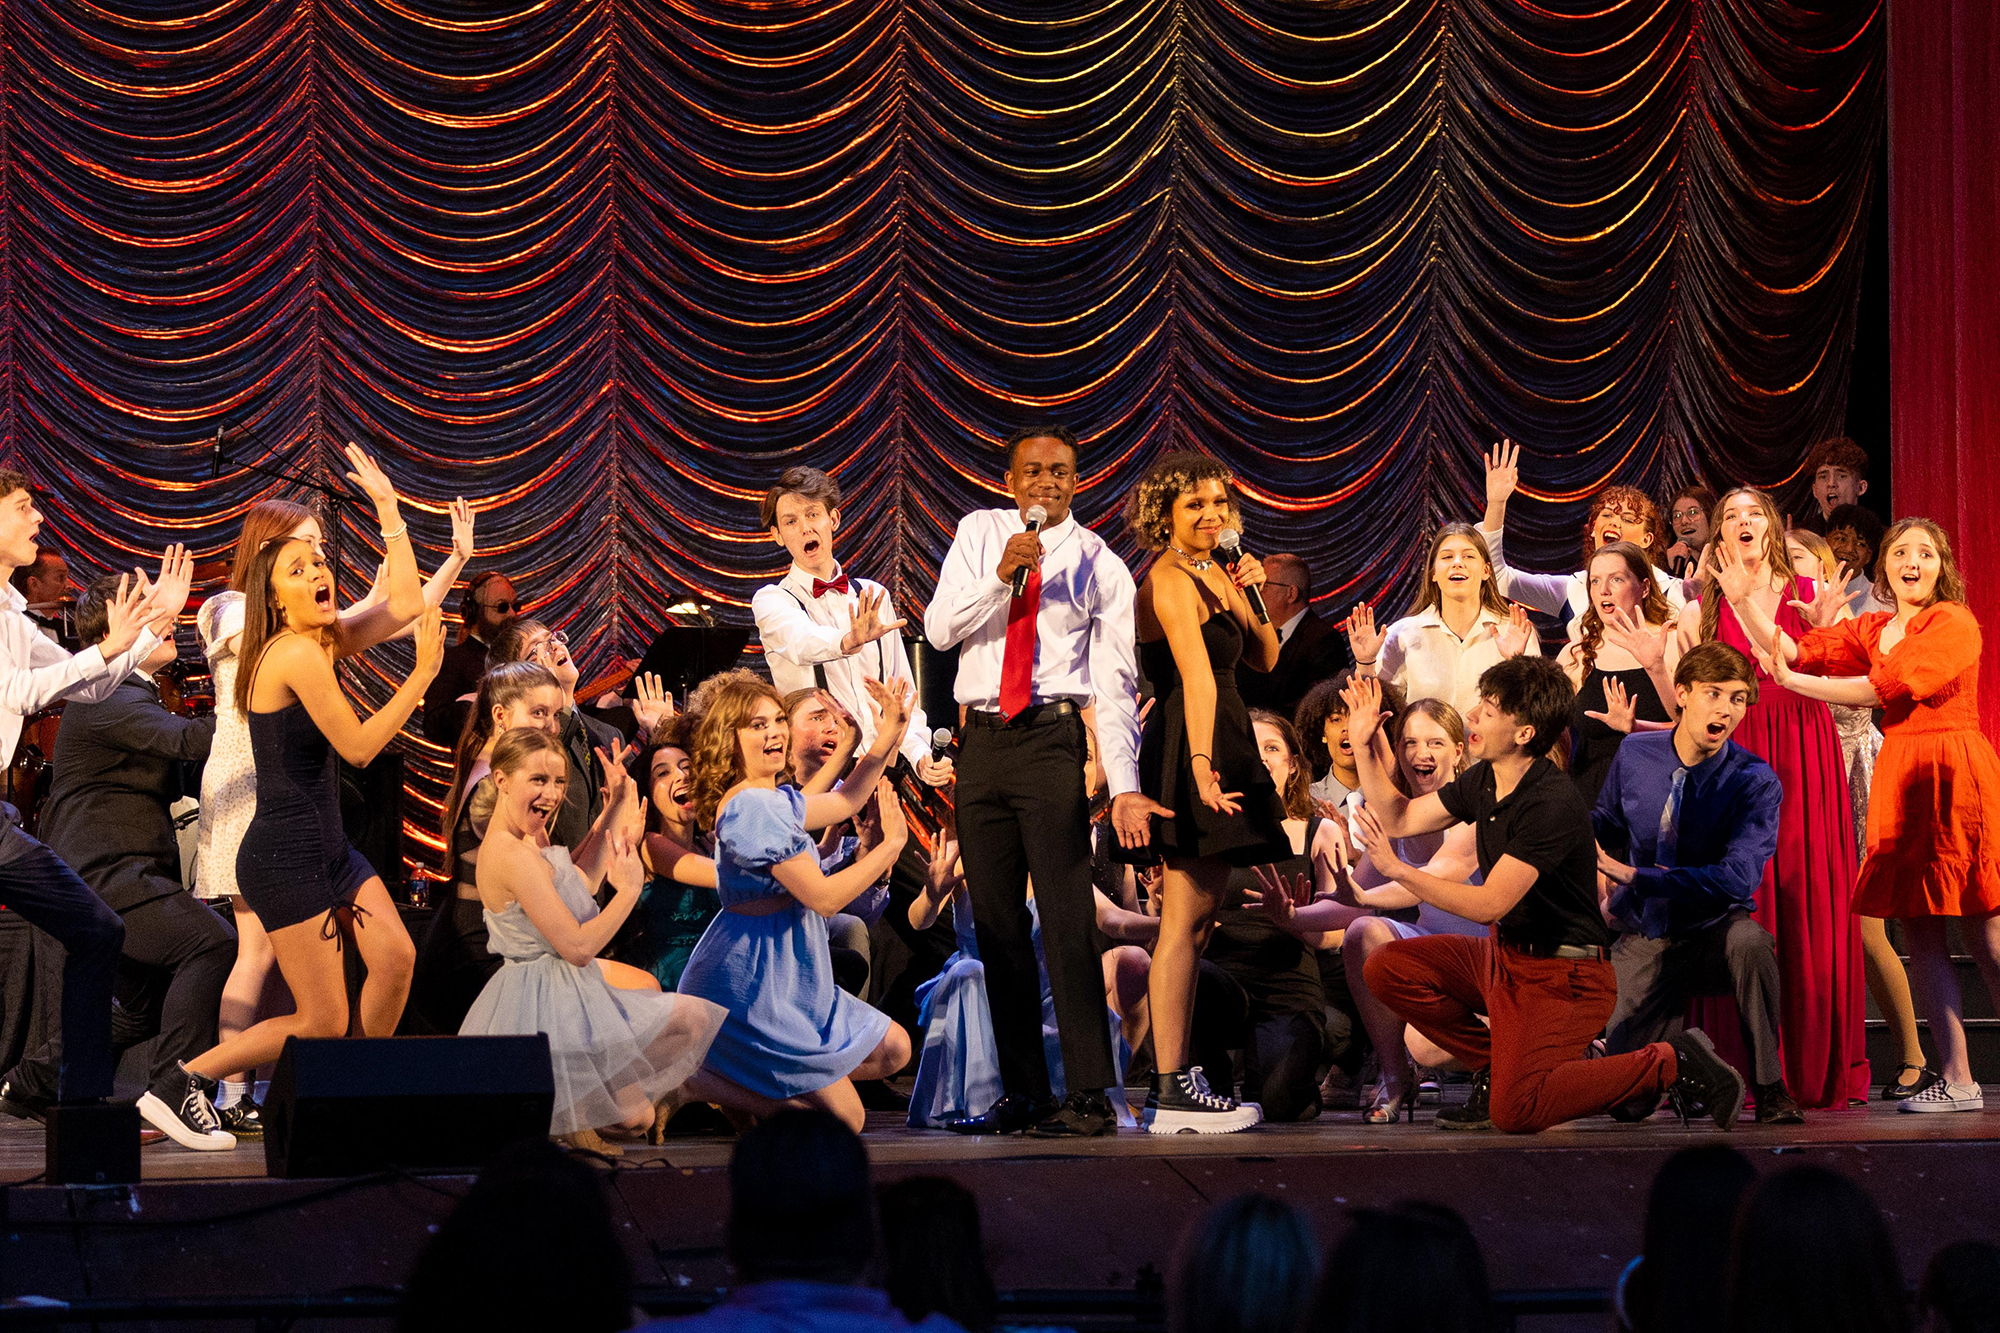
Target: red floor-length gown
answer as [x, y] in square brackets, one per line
[1808, 890]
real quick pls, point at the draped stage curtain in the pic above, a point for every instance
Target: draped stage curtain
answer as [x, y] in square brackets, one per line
[1944, 288]
[605, 266]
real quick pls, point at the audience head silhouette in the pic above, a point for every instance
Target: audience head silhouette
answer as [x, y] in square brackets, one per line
[1246, 1266]
[800, 1204]
[530, 1247]
[1961, 1289]
[933, 1257]
[1812, 1254]
[1676, 1284]
[1413, 1268]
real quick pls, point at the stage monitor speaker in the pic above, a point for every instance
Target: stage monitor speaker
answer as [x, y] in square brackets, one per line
[371, 810]
[349, 1106]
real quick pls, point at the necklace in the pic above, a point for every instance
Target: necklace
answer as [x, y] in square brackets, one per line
[1194, 563]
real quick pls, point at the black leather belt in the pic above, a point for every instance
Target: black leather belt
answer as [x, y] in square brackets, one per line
[1036, 715]
[1594, 951]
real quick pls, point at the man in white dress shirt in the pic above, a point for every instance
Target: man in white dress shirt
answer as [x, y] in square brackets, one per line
[1027, 665]
[823, 627]
[34, 882]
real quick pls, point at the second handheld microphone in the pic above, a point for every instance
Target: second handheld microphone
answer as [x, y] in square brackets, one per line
[1230, 543]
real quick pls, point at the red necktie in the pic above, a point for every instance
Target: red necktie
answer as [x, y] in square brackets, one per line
[821, 589]
[1017, 667]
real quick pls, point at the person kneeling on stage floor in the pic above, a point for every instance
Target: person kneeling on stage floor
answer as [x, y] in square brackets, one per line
[1686, 822]
[1543, 978]
[120, 764]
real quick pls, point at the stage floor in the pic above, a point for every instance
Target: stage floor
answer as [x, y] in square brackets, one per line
[1557, 1211]
[892, 1143]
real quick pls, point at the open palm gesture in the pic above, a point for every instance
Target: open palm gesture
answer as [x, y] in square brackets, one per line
[1363, 638]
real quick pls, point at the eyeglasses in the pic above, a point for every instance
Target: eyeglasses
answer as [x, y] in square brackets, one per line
[556, 639]
[503, 607]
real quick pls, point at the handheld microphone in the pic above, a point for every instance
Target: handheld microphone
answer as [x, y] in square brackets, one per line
[940, 744]
[1230, 543]
[1036, 516]
[215, 455]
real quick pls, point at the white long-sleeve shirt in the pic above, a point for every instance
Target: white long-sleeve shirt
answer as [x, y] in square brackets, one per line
[1549, 593]
[35, 672]
[1085, 646]
[800, 631]
[1424, 659]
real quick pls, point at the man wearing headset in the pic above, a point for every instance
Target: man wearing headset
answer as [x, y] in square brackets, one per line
[487, 602]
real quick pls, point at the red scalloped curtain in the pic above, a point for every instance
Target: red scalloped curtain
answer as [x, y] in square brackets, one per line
[607, 265]
[1944, 289]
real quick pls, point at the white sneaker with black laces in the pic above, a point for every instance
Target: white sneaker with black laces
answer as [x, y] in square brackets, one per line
[193, 1123]
[1943, 1096]
[1181, 1103]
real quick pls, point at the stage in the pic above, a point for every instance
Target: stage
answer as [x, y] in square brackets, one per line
[1558, 1213]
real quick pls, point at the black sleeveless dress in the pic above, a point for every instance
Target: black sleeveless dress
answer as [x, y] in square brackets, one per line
[295, 862]
[1596, 745]
[1253, 838]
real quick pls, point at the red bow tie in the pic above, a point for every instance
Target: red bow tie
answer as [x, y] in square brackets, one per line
[821, 588]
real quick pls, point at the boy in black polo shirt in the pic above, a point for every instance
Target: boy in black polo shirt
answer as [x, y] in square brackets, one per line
[1542, 977]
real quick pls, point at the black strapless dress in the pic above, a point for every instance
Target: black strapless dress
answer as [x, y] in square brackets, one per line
[1253, 838]
[295, 862]
[1595, 745]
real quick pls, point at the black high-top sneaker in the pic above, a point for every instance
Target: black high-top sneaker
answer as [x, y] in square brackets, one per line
[189, 1118]
[1477, 1113]
[1706, 1082]
[1180, 1103]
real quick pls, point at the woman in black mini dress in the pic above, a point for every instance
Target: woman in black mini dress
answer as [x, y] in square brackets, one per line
[295, 867]
[1198, 759]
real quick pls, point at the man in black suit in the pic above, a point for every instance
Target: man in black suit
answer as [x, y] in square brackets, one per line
[120, 765]
[1311, 649]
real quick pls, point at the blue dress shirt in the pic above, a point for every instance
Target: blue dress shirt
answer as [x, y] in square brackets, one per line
[1701, 861]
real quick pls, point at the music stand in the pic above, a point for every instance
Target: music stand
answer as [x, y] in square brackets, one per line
[683, 656]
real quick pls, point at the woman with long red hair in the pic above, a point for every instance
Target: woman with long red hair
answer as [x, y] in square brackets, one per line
[1806, 898]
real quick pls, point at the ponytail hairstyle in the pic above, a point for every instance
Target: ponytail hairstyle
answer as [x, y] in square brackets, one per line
[717, 762]
[501, 687]
[1775, 553]
[267, 521]
[263, 621]
[1653, 606]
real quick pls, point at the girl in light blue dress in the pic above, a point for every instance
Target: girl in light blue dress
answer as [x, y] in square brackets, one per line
[615, 1052]
[792, 1037]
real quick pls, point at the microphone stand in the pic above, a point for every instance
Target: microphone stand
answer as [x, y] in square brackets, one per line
[316, 479]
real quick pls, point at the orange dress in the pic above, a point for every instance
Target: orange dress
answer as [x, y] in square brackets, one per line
[1934, 808]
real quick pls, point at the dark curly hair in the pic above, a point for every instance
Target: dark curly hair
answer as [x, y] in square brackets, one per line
[1149, 509]
[1627, 500]
[1323, 703]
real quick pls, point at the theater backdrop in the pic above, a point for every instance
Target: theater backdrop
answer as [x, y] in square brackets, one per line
[605, 266]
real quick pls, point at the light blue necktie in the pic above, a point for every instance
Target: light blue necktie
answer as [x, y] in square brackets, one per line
[1670, 821]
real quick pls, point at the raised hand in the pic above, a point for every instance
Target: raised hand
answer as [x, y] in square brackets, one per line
[374, 483]
[890, 816]
[652, 704]
[1623, 629]
[1775, 666]
[868, 623]
[1363, 696]
[943, 874]
[1512, 637]
[1735, 575]
[892, 713]
[1619, 710]
[125, 614]
[1363, 639]
[1375, 842]
[1829, 597]
[1503, 474]
[461, 530]
[167, 597]
[1282, 898]
[429, 636]
[622, 867]
[618, 784]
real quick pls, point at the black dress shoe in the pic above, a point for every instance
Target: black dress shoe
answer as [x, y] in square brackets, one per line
[1705, 1083]
[1083, 1115]
[1776, 1107]
[26, 1106]
[1477, 1113]
[243, 1118]
[1009, 1115]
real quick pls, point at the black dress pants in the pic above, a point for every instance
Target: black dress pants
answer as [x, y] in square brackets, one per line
[1022, 813]
[48, 895]
[169, 981]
